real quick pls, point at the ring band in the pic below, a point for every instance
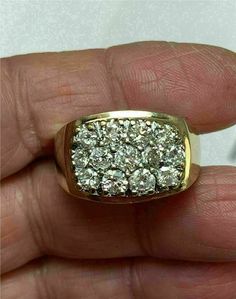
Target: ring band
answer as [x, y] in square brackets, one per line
[126, 156]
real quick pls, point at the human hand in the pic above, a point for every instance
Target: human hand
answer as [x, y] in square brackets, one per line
[55, 246]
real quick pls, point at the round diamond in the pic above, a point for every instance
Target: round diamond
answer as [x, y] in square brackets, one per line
[152, 156]
[86, 138]
[142, 181]
[100, 158]
[174, 155]
[88, 179]
[127, 158]
[168, 177]
[114, 182]
[166, 134]
[155, 126]
[139, 134]
[79, 157]
[113, 129]
[112, 134]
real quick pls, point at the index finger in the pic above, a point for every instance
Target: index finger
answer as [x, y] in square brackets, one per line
[42, 92]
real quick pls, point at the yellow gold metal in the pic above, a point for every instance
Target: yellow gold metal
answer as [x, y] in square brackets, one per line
[63, 143]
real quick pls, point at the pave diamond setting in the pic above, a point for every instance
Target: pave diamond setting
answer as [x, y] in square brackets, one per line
[114, 182]
[127, 157]
[142, 181]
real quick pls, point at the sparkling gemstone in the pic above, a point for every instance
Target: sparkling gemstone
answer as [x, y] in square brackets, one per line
[113, 129]
[138, 134]
[96, 126]
[87, 178]
[168, 177]
[111, 132]
[165, 134]
[142, 181]
[80, 157]
[140, 141]
[152, 156]
[100, 158]
[175, 155]
[114, 182]
[155, 126]
[86, 138]
[127, 158]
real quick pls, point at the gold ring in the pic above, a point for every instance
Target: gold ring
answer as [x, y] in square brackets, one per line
[126, 156]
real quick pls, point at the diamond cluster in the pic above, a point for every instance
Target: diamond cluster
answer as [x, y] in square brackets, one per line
[127, 157]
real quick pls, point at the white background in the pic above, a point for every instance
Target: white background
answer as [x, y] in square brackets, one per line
[42, 25]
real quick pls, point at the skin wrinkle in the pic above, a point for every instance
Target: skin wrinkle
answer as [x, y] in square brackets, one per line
[189, 86]
[34, 145]
[55, 74]
[148, 228]
[116, 89]
[115, 49]
[204, 209]
[8, 99]
[11, 98]
[212, 205]
[142, 229]
[184, 279]
[86, 90]
[9, 233]
[178, 58]
[137, 288]
[207, 55]
[15, 235]
[73, 100]
[151, 56]
[48, 221]
[134, 282]
[216, 64]
[213, 280]
[6, 163]
[227, 250]
[37, 219]
[214, 174]
[62, 83]
[195, 201]
[205, 198]
[204, 242]
[130, 72]
[146, 58]
[41, 283]
[211, 293]
[173, 59]
[131, 76]
[68, 99]
[219, 58]
[204, 195]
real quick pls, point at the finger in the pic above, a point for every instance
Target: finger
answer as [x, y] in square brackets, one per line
[42, 92]
[128, 278]
[39, 218]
